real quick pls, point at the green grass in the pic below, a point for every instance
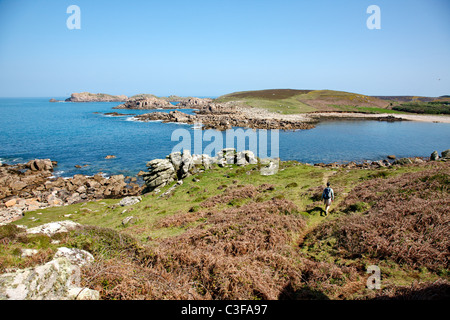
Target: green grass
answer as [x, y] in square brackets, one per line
[366, 109]
[435, 107]
[292, 182]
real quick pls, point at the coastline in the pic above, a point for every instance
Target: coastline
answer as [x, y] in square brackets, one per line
[317, 116]
[32, 186]
[223, 116]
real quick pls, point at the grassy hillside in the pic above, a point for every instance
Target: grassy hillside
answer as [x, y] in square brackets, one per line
[231, 233]
[434, 107]
[289, 101]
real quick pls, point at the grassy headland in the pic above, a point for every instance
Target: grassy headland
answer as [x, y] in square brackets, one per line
[231, 233]
[288, 101]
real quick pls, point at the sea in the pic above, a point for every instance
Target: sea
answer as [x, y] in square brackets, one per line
[80, 134]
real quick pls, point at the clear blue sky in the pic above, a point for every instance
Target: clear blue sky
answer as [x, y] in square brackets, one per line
[213, 47]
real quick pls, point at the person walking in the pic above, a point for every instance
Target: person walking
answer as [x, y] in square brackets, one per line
[328, 197]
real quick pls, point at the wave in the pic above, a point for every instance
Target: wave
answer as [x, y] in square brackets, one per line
[195, 127]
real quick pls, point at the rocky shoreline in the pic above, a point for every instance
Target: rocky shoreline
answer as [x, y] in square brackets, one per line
[32, 186]
[225, 116]
[177, 166]
[151, 102]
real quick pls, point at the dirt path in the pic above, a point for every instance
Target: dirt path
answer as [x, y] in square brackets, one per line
[327, 175]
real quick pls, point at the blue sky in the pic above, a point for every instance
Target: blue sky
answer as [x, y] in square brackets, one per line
[214, 47]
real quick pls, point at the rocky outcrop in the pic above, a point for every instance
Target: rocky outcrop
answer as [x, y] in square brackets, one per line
[145, 103]
[402, 161]
[224, 121]
[56, 280]
[178, 166]
[445, 154]
[52, 228]
[434, 156]
[95, 97]
[129, 201]
[51, 281]
[32, 186]
[194, 103]
[41, 165]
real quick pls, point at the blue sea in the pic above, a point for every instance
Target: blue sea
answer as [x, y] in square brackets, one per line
[80, 134]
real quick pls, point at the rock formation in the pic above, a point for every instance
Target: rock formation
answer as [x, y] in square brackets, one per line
[194, 103]
[434, 156]
[32, 186]
[58, 279]
[145, 103]
[95, 97]
[178, 166]
[224, 119]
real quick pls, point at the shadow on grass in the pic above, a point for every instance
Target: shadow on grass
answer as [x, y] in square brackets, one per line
[317, 209]
[304, 293]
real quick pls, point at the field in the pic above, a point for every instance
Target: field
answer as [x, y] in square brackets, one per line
[231, 233]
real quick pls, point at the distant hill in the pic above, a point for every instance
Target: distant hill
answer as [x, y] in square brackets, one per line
[406, 98]
[300, 101]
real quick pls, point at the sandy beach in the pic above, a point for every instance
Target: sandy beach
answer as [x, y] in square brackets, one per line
[411, 117]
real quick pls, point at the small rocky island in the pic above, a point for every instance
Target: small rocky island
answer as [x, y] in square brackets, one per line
[148, 102]
[93, 97]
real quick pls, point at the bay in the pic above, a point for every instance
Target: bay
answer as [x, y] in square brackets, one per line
[79, 134]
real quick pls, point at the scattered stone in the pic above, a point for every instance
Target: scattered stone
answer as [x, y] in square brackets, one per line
[11, 203]
[402, 161]
[129, 220]
[271, 167]
[128, 201]
[76, 256]
[54, 227]
[392, 157]
[29, 252]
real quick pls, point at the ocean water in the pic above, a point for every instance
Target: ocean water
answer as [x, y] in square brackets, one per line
[79, 134]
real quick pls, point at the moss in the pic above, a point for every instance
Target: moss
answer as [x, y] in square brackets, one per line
[292, 185]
